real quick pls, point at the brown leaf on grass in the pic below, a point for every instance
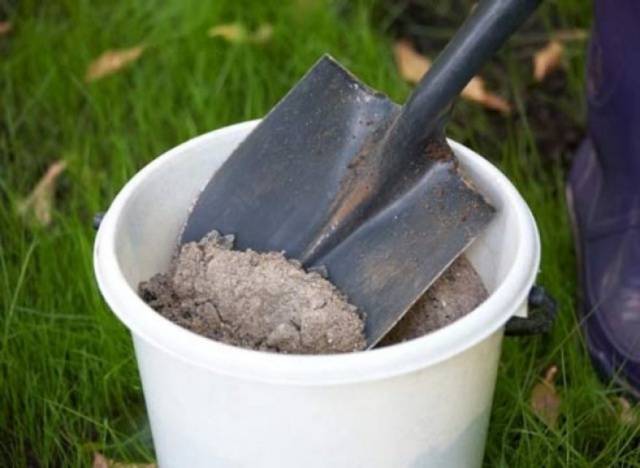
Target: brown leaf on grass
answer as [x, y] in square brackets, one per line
[237, 33]
[545, 401]
[477, 91]
[5, 27]
[112, 61]
[412, 66]
[627, 414]
[262, 34]
[410, 63]
[547, 59]
[232, 32]
[100, 461]
[40, 200]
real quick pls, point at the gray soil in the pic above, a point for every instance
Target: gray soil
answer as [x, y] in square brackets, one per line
[253, 300]
[456, 293]
[269, 303]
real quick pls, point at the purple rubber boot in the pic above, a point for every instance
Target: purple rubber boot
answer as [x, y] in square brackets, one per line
[604, 195]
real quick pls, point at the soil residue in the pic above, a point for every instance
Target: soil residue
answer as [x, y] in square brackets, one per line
[456, 293]
[266, 302]
[254, 300]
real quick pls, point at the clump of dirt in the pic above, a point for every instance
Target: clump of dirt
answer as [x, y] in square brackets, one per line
[456, 293]
[254, 300]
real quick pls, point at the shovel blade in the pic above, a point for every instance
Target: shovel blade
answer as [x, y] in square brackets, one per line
[276, 190]
[318, 179]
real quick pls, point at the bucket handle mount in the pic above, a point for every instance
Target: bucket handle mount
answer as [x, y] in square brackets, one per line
[542, 313]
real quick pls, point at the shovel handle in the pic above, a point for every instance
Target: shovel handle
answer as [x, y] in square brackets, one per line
[481, 35]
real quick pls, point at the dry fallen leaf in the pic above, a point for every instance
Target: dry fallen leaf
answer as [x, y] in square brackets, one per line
[262, 34]
[545, 401]
[547, 59]
[412, 66]
[5, 27]
[112, 61]
[100, 461]
[410, 63]
[626, 414]
[237, 33]
[40, 200]
[233, 32]
[477, 91]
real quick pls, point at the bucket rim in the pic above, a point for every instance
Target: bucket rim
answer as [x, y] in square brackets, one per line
[145, 323]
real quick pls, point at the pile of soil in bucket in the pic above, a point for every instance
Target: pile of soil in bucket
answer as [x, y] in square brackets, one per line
[456, 293]
[254, 300]
[267, 302]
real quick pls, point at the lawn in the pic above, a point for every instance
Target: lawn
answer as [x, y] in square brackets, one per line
[68, 380]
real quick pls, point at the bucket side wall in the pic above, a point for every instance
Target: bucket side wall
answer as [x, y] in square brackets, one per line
[436, 416]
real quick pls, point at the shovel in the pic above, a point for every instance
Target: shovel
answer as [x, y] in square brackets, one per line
[340, 177]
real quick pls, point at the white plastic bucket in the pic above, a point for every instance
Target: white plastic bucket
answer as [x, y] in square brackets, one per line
[421, 403]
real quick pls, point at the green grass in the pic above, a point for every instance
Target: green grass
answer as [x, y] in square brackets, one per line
[68, 379]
